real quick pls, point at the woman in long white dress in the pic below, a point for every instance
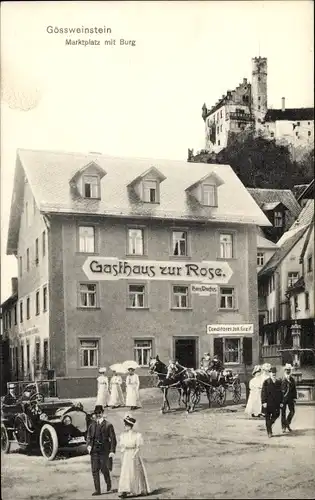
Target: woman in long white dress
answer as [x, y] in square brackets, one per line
[102, 389]
[253, 407]
[116, 398]
[132, 390]
[133, 477]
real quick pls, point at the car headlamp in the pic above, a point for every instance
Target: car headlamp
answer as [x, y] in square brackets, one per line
[43, 416]
[67, 420]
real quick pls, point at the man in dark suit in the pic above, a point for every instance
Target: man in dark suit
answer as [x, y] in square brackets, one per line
[101, 444]
[289, 398]
[10, 398]
[271, 399]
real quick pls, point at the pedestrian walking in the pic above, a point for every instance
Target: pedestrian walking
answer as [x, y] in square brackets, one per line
[102, 389]
[253, 407]
[116, 397]
[271, 398]
[101, 444]
[132, 390]
[289, 398]
[133, 477]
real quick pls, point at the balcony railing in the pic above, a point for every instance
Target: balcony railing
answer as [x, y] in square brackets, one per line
[245, 117]
[270, 351]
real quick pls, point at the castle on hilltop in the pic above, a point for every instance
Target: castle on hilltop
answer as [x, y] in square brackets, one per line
[246, 108]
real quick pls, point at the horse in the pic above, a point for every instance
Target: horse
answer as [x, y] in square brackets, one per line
[157, 367]
[185, 378]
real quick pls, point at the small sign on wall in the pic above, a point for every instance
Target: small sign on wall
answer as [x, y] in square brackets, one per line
[204, 290]
[230, 329]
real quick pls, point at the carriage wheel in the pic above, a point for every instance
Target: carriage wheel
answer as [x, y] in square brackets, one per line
[237, 392]
[221, 395]
[5, 442]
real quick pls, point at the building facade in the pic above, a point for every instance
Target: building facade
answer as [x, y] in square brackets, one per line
[286, 294]
[125, 259]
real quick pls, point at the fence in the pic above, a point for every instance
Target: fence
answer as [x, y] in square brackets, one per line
[47, 388]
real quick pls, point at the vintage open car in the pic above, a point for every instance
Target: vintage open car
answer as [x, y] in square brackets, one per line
[50, 424]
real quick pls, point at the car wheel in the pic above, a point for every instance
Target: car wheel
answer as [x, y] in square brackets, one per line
[48, 442]
[21, 433]
[5, 442]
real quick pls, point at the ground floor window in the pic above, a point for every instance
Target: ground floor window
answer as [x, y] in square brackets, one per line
[142, 352]
[89, 353]
[45, 355]
[232, 350]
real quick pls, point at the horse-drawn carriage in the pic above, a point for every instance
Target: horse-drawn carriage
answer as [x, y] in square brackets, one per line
[191, 384]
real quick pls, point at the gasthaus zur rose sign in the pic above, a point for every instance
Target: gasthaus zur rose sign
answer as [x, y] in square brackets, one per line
[112, 269]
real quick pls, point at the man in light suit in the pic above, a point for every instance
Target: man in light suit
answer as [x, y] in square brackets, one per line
[101, 444]
[289, 398]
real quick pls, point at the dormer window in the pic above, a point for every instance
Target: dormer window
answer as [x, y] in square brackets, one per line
[278, 219]
[91, 186]
[209, 195]
[150, 191]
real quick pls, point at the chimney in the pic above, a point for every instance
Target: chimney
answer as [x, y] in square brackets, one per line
[283, 103]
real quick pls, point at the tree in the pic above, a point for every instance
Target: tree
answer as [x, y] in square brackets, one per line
[261, 163]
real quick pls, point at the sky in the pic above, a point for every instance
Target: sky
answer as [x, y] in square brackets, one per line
[143, 100]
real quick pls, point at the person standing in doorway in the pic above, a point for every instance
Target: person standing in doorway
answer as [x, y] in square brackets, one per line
[132, 390]
[102, 388]
[101, 445]
[289, 398]
[271, 398]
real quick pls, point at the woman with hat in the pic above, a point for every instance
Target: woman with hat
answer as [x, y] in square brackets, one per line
[102, 388]
[133, 478]
[253, 407]
[116, 398]
[132, 390]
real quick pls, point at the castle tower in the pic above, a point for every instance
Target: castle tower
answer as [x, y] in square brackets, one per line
[259, 90]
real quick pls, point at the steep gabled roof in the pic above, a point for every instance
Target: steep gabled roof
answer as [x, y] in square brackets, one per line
[49, 173]
[262, 242]
[285, 196]
[281, 253]
[290, 114]
[305, 217]
[308, 192]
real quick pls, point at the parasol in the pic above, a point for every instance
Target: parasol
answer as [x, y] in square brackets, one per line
[130, 364]
[118, 367]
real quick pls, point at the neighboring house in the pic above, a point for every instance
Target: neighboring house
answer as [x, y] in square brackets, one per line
[281, 208]
[10, 346]
[293, 127]
[281, 278]
[113, 253]
[265, 250]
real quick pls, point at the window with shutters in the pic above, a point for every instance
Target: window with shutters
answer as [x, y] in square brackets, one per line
[247, 350]
[232, 350]
[45, 355]
[89, 351]
[37, 355]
